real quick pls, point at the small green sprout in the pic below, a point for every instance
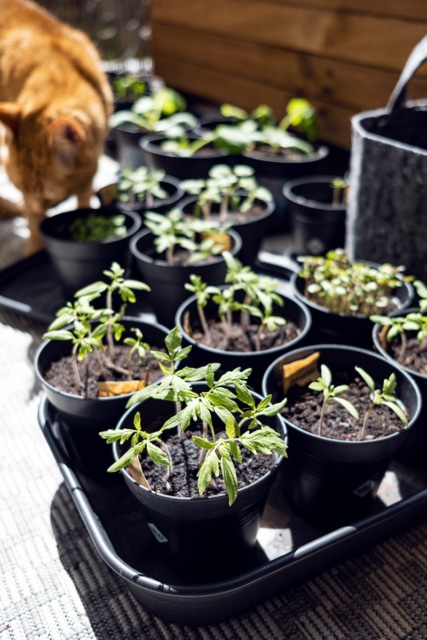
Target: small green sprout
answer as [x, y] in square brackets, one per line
[141, 185]
[129, 87]
[400, 326]
[351, 288]
[173, 231]
[234, 189]
[330, 393]
[257, 298]
[136, 344]
[160, 111]
[94, 228]
[339, 186]
[86, 326]
[227, 399]
[259, 128]
[385, 396]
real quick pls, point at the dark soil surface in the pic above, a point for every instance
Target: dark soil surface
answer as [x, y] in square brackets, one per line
[237, 217]
[263, 150]
[206, 151]
[61, 374]
[414, 357]
[181, 257]
[244, 341]
[304, 406]
[185, 456]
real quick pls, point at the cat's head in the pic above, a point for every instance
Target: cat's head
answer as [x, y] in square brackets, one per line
[50, 159]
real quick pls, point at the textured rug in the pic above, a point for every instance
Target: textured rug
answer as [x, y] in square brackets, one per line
[55, 586]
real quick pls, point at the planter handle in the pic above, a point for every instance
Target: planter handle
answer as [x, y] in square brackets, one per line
[417, 57]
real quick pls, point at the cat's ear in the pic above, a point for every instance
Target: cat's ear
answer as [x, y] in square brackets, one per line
[67, 136]
[10, 115]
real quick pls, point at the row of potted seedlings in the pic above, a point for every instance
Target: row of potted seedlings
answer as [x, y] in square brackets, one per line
[163, 135]
[236, 382]
[147, 208]
[231, 187]
[236, 425]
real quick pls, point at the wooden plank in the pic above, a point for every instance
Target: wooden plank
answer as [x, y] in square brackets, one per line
[353, 86]
[403, 9]
[218, 87]
[369, 40]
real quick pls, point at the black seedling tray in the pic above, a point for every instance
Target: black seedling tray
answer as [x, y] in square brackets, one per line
[290, 550]
[30, 287]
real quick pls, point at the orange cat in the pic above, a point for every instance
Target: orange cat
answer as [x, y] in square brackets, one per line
[55, 102]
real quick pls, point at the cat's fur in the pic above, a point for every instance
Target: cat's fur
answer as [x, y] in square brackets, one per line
[55, 101]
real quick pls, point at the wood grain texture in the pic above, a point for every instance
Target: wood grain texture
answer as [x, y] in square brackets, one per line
[317, 77]
[356, 37]
[345, 56]
[406, 9]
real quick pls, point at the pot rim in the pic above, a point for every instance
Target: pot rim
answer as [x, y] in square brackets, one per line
[269, 208]
[143, 257]
[294, 279]
[151, 144]
[187, 499]
[321, 151]
[366, 353]
[44, 344]
[49, 232]
[321, 180]
[167, 179]
[250, 354]
[385, 354]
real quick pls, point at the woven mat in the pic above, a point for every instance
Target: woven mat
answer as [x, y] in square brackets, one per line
[54, 585]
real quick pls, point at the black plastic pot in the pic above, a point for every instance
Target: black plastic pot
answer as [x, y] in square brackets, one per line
[341, 328]
[252, 231]
[108, 196]
[167, 281]
[203, 537]
[78, 264]
[317, 224]
[201, 354]
[83, 418]
[210, 121]
[274, 171]
[128, 150]
[332, 482]
[184, 168]
[413, 451]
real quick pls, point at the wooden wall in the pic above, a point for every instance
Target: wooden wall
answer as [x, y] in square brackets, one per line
[343, 55]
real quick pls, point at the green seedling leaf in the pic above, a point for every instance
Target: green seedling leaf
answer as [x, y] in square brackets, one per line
[366, 377]
[58, 335]
[230, 479]
[157, 455]
[397, 410]
[348, 406]
[203, 443]
[209, 468]
[125, 460]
